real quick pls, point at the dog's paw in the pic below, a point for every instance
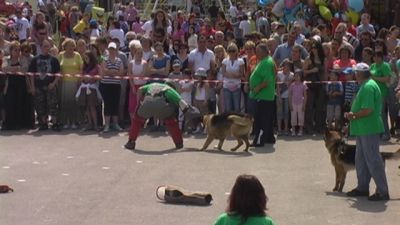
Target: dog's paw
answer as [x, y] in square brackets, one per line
[201, 149]
[233, 149]
[335, 189]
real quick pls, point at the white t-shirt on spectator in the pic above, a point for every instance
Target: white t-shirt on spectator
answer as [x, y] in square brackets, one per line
[232, 67]
[22, 26]
[148, 28]
[201, 60]
[233, 11]
[244, 25]
[118, 33]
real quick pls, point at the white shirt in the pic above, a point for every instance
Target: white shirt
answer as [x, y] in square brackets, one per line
[192, 42]
[244, 25]
[201, 60]
[186, 95]
[148, 27]
[281, 77]
[22, 26]
[233, 11]
[232, 67]
[118, 33]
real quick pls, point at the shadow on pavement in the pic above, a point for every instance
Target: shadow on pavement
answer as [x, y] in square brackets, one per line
[264, 150]
[162, 152]
[362, 204]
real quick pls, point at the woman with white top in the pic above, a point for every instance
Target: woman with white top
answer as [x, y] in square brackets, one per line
[232, 70]
[137, 67]
[117, 32]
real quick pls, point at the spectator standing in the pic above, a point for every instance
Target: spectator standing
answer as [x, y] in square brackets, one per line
[18, 102]
[297, 102]
[247, 204]
[262, 90]
[88, 94]
[366, 124]
[71, 64]
[110, 87]
[365, 25]
[137, 68]
[334, 90]
[23, 26]
[284, 79]
[232, 70]
[381, 73]
[45, 86]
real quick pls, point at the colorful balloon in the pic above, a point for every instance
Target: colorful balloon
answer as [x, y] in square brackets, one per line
[264, 2]
[325, 12]
[356, 5]
[354, 16]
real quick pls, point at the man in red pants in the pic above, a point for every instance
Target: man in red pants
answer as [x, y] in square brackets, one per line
[159, 101]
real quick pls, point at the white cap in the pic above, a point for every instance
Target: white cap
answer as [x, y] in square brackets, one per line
[112, 45]
[361, 67]
[201, 72]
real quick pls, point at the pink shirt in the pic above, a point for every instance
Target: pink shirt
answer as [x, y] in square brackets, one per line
[137, 28]
[296, 90]
[178, 35]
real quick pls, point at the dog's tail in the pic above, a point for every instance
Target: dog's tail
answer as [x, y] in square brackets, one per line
[240, 120]
[391, 155]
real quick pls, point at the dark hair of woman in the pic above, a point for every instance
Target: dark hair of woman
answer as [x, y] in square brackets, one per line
[320, 53]
[247, 197]
[382, 43]
[164, 21]
[88, 66]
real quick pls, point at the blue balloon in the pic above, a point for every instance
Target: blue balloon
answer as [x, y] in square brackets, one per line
[356, 5]
[264, 2]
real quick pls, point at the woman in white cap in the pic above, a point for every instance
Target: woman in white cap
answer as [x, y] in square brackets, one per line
[110, 86]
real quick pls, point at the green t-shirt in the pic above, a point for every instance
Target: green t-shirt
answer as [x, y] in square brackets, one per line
[225, 219]
[368, 97]
[264, 71]
[157, 88]
[381, 70]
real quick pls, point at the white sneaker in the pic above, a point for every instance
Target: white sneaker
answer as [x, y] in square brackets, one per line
[66, 127]
[117, 127]
[106, 129]
[300, 133]
[73, 127]
[293, 133]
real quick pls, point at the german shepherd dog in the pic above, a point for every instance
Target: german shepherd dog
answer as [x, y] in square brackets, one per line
[220, 126]
[343, 156]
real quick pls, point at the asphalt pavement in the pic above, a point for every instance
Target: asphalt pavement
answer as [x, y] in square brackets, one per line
[89, 179]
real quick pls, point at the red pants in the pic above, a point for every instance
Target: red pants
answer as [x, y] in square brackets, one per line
[171, 124]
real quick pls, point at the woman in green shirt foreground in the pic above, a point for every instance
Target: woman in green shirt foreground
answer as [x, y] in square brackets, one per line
[247, 204]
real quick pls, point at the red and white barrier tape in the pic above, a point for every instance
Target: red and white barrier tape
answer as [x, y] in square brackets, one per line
[139, 78]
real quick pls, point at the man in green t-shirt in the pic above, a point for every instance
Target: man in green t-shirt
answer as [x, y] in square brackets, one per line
[381, 73]
[262, 91]
[366, 124]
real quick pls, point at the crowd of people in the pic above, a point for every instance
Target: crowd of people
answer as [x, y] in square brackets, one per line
[218, 60]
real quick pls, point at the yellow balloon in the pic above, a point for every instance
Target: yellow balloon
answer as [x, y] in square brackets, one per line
[325, 13]
[320, 2]
[354, 16]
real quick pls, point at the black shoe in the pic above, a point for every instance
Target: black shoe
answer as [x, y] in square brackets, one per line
[43, 127]
[179, 146]
[379, 197]
[256, 145]
[130, 145]
[356, 193]
[56, 127]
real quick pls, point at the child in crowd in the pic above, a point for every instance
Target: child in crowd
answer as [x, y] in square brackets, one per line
[200, 93]
[284, 78]
[297, 102]
[185, 89]
[192, 39]
[334, 90]
[88, 94]
[176, 72]
[350, 89]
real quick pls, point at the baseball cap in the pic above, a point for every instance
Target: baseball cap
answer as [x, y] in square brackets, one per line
[176, 63]
[361, 67]
[201, 72]
[348, 70]
[112, 45]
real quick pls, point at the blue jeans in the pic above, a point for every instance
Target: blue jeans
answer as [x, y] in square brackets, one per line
[232, 100]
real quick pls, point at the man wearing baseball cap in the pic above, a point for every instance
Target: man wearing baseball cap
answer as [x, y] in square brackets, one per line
[366, 124]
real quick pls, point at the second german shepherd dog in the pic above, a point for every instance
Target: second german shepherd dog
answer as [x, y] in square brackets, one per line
[343, 156]
[220, 126]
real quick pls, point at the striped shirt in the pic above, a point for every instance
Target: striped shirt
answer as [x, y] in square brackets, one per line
[112, 66]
